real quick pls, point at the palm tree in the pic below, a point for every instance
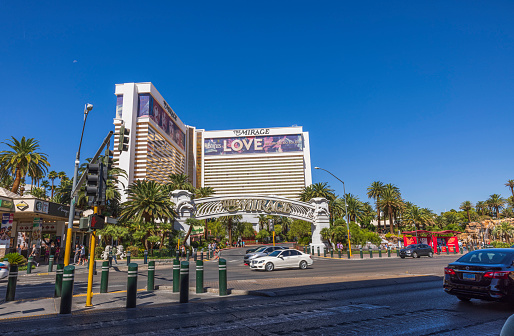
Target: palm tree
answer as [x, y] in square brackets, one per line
[355, 208]
[52, 176]
[317, 190]
[38, 192]
[389, 201]
[201, 193]
[263, 220]
[61, 175]
[466, 206]
[480, 207]
[510, 184]
[179, 182]
[496, 202]
[227, 222]
[22, 159]
[337, 208]
[45, 185]
[147, 202]
[374, 191]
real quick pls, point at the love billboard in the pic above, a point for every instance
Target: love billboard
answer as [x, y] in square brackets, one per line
[253, 145]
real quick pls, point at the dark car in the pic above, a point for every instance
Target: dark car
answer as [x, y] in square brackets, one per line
[253, 249]
[482, 274]
[416, 251]
[261, 252]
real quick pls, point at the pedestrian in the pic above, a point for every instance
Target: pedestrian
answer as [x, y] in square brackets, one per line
[217, 253]
[35, 254]
[114, 252]
[77, 254]
[18, 249]
[82, 255]
[57, 254]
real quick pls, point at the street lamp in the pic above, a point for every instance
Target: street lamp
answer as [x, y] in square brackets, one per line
[345, 209]
[71, 216]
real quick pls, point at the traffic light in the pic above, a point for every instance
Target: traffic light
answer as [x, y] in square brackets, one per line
[93, 183]
[96, 222]
[123, 139]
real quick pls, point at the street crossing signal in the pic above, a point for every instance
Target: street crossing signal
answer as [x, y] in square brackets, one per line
[93, 182]
[96, 222]
[123, 139]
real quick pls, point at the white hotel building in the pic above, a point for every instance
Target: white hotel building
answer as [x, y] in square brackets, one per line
[269, 161]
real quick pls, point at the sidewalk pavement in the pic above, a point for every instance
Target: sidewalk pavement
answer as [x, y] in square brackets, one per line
[163, 295]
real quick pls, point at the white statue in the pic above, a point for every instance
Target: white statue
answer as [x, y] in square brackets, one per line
[120, 253]
[105, 253]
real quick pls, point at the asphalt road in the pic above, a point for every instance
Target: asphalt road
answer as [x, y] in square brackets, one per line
[408, 309]
[31, 287]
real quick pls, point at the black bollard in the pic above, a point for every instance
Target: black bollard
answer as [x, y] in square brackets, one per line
[128, 257]
[145, 261]
[184, 282]
[199, 277]
[223, 277]
[11, 284]
[104, 282]
[132, 285]
[67, 290]
[150, 285]
[51, 263]
[29, 265]
[58, 280]
[176, 276]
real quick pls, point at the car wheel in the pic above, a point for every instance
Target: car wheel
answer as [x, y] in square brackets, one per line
[430, 254]
[303, 264]
[463, 298]
[402, 257]
[415, 255]
[270, 267]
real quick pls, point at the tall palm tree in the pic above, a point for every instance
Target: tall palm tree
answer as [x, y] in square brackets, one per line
[52, 176]
[355, 208]
[317, 190]
[38, 192]
[147, 201]
[466, 206]
[201, 193]
[61, 175]
[179, 182]
[480, 207]
[21, 159]
[496, 202]
[45, 185]
[227, 222]
[374, 191]
[263, 221]
[389, 201]
[510, 185]
[337, 208]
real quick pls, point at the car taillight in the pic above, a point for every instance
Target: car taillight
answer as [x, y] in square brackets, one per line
[497, 275]
[3, 266]
[448, 270]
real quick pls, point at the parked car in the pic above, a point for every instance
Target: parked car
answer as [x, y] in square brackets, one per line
[416, 251]
[282, 259]
[261, 252]
[482, 274]
[4, 269]
[253, 249]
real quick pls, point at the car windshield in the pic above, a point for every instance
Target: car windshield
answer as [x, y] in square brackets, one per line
[274, 253]
[485, 257]
[260, 249]
[412, 246]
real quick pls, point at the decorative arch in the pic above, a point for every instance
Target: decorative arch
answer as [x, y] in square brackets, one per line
[316, 211]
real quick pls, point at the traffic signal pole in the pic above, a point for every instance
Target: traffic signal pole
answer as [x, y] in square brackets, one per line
[89, 297]
[76, 187]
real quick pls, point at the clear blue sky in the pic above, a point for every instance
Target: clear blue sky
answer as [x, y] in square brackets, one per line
[414, 93]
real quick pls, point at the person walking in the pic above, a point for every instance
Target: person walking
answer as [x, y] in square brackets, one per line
[82, 255]
[76, 257]
[35, 254]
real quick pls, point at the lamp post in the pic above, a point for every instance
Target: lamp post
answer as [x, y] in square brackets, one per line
[345, 209]
[67, 252]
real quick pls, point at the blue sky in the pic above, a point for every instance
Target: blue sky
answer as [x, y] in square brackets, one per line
[418, 94]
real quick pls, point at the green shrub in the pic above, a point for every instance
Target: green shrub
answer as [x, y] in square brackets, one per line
[98, 252]
[16, 259]
[500, 244]
[134, 251]
[304, 241]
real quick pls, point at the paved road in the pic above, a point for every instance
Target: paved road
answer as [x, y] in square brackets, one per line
[408, 309]
[38, 286]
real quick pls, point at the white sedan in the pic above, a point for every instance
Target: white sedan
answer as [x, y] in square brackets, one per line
[4, 269]
[282, 259]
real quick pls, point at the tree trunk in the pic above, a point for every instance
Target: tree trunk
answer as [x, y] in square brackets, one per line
[17, 181]
[205, 229]
[378, 216]
[188, 233]
[391, 226]
[229, 227]
[469, 218]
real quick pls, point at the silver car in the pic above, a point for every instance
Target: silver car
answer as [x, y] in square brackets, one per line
[261, 252]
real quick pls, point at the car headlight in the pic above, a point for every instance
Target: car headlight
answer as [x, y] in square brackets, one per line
[260, 261]
[407, 252]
